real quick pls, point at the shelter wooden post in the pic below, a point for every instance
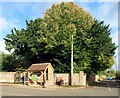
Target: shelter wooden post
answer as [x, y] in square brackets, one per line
[44, 80]
[28, 78]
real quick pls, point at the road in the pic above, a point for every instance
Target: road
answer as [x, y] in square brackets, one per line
[105, 88]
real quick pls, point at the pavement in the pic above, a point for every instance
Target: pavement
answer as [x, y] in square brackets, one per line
[104, 88]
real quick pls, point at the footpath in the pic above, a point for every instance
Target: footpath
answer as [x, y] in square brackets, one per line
[37, 86]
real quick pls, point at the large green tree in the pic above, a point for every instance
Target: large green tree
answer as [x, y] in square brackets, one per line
[100, 47]
[48, 39]
[8, 62]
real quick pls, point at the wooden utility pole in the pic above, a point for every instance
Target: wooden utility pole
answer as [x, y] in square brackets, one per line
[72, 61]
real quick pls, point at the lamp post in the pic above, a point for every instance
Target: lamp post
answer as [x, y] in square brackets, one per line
[72, 61]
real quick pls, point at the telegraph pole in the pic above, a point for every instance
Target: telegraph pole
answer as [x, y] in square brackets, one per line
[72, 61]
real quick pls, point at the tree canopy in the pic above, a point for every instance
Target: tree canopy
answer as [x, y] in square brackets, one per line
[100, 47]
[48, 39]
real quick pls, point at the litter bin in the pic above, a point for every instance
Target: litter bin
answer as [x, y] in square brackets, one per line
[61, 82]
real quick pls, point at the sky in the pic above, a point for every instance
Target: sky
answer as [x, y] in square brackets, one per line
[13, 14]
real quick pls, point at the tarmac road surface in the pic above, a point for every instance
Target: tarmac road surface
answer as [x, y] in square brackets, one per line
[105, 88]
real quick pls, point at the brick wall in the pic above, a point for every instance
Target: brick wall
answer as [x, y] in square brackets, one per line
[7, 76]
[64, 76]
[82, 77]
[93, 78]
[78, 78]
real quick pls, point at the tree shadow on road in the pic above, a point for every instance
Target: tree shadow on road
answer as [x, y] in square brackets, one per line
[106, 83]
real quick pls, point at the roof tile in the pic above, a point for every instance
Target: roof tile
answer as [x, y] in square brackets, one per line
[38, 67]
